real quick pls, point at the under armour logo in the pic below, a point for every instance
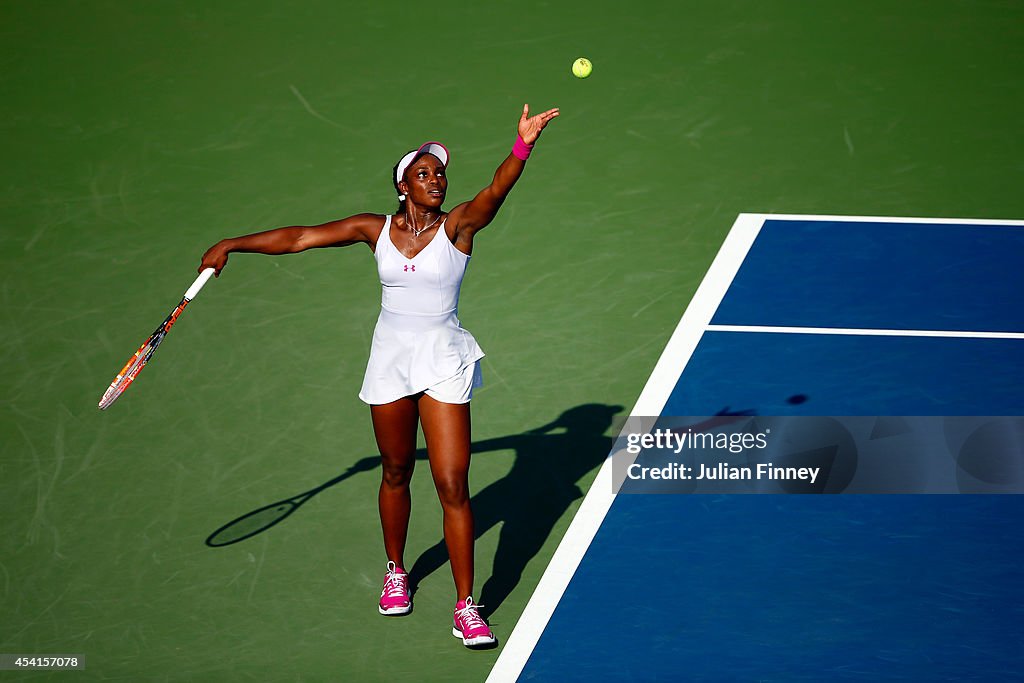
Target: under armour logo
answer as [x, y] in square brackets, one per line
[409, 268]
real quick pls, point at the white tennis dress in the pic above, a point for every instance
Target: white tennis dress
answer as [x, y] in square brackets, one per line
[418, 343]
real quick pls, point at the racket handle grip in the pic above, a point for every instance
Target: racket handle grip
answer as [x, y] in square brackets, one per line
[198, 284]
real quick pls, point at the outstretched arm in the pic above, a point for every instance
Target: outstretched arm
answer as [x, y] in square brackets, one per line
[362, 227]
[477, 213]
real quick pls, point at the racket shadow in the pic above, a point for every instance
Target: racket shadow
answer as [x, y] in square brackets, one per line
[549, 461]
[262, 519]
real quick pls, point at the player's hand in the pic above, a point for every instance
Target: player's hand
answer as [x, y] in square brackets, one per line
[530, 127]
[216, 257]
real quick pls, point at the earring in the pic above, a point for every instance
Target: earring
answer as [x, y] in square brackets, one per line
[401, 197]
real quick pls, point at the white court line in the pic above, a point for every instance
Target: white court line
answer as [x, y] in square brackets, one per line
[599, 498]
[859, 331]
[696, 319]
[885, 219]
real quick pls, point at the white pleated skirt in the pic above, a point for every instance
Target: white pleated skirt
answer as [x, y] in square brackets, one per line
[421, 353]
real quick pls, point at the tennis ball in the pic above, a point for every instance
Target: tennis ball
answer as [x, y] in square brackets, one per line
[582, 67]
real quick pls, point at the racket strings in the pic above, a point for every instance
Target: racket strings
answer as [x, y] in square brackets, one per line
[138, 361]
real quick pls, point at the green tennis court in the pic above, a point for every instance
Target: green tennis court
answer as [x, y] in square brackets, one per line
[135, 135]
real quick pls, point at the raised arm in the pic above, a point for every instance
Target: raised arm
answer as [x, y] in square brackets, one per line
[476, 214]
[364, 227]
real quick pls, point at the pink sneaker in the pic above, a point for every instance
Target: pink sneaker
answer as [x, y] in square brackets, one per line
[470, 626]
[394, 598]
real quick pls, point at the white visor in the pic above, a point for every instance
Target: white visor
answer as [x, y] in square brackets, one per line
[435, 148]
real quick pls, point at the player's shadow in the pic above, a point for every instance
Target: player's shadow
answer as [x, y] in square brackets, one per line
[527, 502]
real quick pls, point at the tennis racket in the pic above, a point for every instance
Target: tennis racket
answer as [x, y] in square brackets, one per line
[135, 364]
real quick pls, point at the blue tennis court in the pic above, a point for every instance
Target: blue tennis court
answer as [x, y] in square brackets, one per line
[810, 316]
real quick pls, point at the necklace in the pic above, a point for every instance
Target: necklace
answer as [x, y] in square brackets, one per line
[415, 232]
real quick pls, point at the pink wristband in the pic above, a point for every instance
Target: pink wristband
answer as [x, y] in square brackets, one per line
[521, 150]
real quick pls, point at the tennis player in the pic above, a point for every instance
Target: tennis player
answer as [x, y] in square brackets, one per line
[423, 364]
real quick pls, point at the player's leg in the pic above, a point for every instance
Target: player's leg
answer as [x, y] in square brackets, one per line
[446, 427]
[394, 426]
